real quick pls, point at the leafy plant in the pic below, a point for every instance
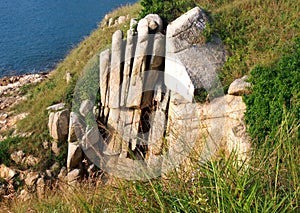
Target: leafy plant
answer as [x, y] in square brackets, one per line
[167, 9]
[275, 90]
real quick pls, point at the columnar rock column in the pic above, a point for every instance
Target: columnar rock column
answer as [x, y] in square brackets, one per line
[115, 80]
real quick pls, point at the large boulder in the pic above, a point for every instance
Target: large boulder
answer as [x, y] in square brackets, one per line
[76, 127]
[59, 125]
[74, 156]
[191, 63]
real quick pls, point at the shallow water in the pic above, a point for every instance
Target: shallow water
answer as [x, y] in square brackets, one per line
[36, 34]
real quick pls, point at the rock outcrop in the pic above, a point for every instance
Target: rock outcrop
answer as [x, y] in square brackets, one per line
[148, 121]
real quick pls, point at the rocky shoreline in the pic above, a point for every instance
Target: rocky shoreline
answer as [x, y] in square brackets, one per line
[12, 91]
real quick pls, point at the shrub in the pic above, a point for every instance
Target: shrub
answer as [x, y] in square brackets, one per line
[274, 91]
[167, 9]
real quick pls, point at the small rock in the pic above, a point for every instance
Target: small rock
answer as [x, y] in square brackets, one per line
[68, 77]
[74, 156]
[121, 19]
[30, 161]
[110, 22]
[59, 125]
[49, 173]
[40, 190]
[31, 178]
[55, 149]
[46, 145]
[155, 22]
[63, 174]
[86, 107]
[76, 127]
[6, 172]
[56, 107]
[239, 87]
[3, 116]
[73, 176]
[55, 167]
[17, 157]
[153, 25]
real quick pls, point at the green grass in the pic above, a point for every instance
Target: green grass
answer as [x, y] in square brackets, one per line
[255, 32]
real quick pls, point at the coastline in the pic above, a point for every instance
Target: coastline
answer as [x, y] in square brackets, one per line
[12, 91]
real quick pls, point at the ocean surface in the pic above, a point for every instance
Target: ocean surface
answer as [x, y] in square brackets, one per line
[36, 34]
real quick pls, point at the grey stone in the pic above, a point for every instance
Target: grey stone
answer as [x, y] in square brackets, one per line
[86, 107]
[92, 138]
[239, 87]
[192, 64]
[183, 31]
[74, 176]
[115, 74]
[121, 19]
[139, 66]
[223, 121]
[55, 148]
[155, 75]
[110, 22]
[68, 77]
[76, 127]
[155, 22]
[59, 125]
[104, 75]
[129, 53]
[56, 107]
[74, 156]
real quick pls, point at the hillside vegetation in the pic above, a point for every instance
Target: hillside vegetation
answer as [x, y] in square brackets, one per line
[262, 40]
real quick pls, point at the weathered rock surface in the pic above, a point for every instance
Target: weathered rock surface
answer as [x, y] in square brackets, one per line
[31, 178]
[155, 23]
[74, 156]
[86, 107]
[6, 172]
[225, 115]
[17, 156]
[239, 87]
[59, 125]
[76, 127]
[56, 107]
[148, 118]
[74, 176]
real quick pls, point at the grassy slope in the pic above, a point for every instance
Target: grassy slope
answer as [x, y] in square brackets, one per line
[55, 89]
[255, 32]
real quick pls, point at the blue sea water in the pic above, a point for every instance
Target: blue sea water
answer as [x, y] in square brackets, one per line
[36, 34]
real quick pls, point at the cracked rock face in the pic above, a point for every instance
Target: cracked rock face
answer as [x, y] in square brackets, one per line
[148, 118]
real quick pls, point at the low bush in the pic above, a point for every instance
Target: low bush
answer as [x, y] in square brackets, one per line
[275, 90]
[167, 9]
